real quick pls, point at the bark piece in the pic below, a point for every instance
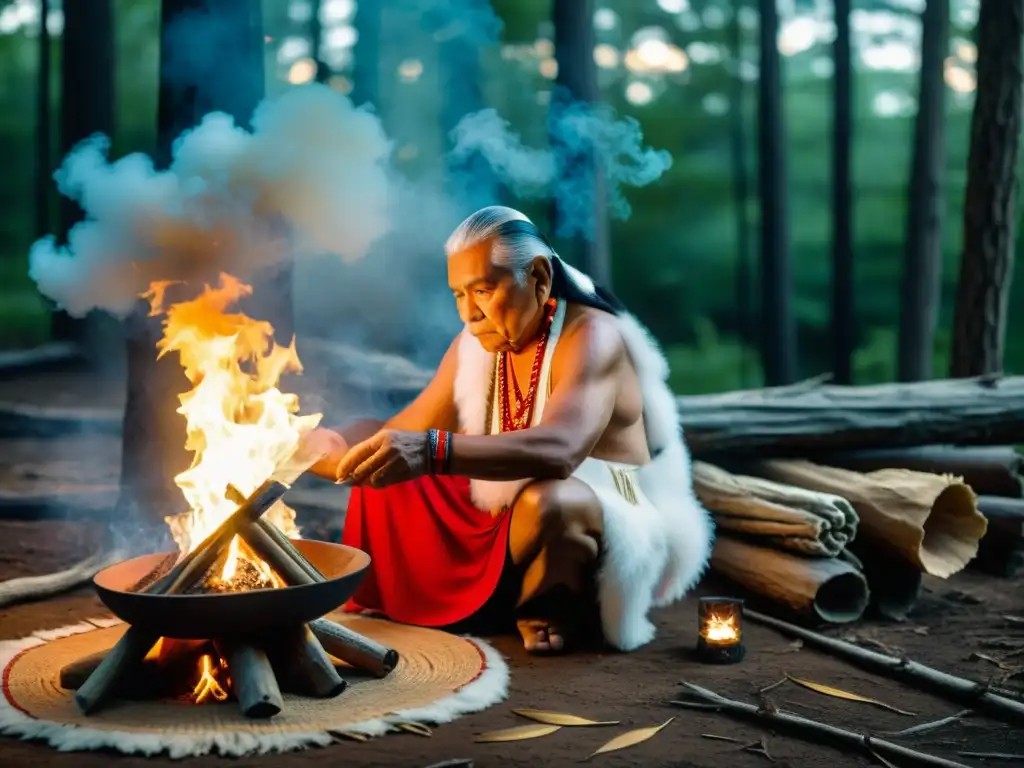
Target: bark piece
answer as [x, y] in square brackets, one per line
[930, 520]
[784, 516]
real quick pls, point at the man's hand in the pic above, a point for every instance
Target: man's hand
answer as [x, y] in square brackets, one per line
[390, 456]
[330, 446]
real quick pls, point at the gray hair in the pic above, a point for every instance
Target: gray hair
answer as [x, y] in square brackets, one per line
[514, 252]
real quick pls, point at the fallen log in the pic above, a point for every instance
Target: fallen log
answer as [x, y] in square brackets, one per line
[1005, 517]
[989, 470]
[975, 695]
[822, 588]
[783, 516]
[809, 418]
[776, 718]
[929, 520]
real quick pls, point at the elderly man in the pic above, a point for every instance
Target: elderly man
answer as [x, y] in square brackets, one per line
[544, 458]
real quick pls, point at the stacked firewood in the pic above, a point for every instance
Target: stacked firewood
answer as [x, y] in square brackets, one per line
[828, 498]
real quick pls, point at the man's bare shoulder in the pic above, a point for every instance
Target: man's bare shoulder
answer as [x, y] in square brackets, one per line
[593, 338]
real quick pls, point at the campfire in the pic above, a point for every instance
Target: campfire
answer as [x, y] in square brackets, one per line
[248, 593]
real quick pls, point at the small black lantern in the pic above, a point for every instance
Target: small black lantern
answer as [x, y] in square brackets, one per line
[720, 630]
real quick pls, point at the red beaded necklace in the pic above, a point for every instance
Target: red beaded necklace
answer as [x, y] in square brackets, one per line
[524, 403]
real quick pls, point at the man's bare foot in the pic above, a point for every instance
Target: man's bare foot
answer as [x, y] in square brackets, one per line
[541, 636]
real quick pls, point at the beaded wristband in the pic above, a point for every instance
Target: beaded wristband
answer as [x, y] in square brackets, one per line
[439, 454]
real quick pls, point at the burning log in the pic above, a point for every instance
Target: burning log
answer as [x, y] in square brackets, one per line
[991, 470]
[134, 643]
[811, 417]
[823, 588]
[252, 679]
[306, 667]
[929, 520]
[783, 516]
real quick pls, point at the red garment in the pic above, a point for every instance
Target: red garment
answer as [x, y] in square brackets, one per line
[436, 557]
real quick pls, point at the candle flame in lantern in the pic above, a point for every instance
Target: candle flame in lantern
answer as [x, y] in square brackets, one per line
[721, 629]
[208, 686]
[240, 425]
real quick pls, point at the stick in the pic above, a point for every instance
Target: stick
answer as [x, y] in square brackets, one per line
[134, 643]
[914, 730]
[252, 680]
[816, 730]
[307, 668]
[950, 686]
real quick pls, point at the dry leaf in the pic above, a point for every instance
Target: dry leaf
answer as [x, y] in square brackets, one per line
[630, 738]
[840, 694]
[558, 718]
[519, 733]
[418, 728]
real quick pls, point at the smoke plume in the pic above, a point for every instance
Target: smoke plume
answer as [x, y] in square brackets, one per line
[582, 136]
[311, 177]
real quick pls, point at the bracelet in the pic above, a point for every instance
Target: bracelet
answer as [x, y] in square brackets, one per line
[439, 457]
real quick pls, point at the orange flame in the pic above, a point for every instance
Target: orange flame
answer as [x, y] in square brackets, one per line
[721, 630]
[208, 686]
[240, 426]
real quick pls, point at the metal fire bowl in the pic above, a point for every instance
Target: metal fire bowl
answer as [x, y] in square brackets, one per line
[254, 612]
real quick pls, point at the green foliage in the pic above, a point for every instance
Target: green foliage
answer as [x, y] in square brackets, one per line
[677, 258]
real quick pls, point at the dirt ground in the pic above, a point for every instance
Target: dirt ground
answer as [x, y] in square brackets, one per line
[953, 620]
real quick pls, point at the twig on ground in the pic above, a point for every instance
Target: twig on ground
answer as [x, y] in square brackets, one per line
[930, 726]
[759, 747]
[773, 686]
[458, 762]
[720, 738]
[979, 695]
[819, 731]
[991, 755]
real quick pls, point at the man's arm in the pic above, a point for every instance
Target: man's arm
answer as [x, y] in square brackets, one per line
[433, 408]
[575, 417]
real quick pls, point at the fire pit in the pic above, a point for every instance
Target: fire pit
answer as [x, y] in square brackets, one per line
[251, 642]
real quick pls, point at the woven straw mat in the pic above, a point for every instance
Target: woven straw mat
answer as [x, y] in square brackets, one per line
[433, 666]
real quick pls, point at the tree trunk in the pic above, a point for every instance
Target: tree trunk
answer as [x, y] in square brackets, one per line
[366, 70]
[87, 107]
[843, 323]
[741, 194]
[471, 183]
[316, 39]
[44, 132]
[921, 289]
[228, 77]
[979, 320]
[577, 74]
[778, 329]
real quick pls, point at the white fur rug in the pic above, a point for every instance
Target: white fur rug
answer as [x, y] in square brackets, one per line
[489, 687]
